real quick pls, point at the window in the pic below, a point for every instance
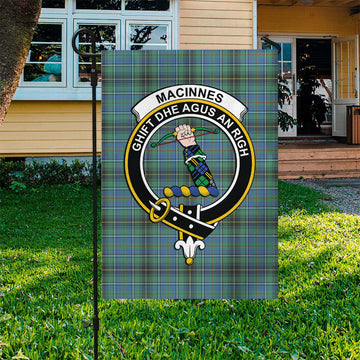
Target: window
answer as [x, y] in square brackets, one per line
[106, 39]
[54, 72]
[45, 60]
[284, 58]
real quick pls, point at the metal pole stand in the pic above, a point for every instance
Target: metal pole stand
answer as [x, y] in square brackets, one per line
[92, 55]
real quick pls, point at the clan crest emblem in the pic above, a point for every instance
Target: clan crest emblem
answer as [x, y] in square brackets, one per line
[187, 120]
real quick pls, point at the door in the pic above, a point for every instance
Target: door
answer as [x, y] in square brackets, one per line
[287, 69]
[345, 80]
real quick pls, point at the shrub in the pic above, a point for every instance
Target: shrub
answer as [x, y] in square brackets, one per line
[52, 172]
[10, 171]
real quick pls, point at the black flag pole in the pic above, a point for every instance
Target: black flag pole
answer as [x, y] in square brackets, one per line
[92, 55]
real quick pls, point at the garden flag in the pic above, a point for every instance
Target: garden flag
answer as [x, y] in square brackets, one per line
[189, 177]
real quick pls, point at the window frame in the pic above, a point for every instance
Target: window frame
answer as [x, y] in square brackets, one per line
[71, 17]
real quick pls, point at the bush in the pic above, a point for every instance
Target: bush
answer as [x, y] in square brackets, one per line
[10, 171]
[50, 173]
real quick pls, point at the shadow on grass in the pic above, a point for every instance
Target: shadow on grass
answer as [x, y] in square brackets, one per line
[56, 217]
[294, 198]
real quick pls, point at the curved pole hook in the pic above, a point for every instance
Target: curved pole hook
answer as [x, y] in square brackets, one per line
[92, 39]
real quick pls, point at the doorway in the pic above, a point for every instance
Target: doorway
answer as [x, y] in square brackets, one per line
[334, 64]
[313, 56]
[314, 86]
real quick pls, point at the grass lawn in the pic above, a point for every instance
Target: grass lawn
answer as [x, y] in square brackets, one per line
[46, 290]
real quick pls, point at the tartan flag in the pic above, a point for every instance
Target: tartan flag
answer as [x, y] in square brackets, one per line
[189, 174]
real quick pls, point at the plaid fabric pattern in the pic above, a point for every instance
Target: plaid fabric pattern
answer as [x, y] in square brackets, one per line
[197, 166]
[241, 257]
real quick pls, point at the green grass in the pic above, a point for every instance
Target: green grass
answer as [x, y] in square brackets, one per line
[46, 290]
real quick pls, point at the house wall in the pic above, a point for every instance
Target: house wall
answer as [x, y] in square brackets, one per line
[56, 128]
[214, 24]
[301, 19]
[48, 128]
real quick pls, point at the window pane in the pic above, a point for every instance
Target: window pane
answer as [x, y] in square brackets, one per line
[53, 4]
[104, 34]
[150, 37]
[86, 59]
[43, 52]
[145, 47]
[85, 72]
[47, 33]
[99, 4]
[159, 5]
[287, 70]
[286, 52]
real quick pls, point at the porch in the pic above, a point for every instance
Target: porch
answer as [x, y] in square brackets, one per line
[318, 158]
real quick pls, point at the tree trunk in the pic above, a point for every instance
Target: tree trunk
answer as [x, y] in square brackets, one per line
[18, 19]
